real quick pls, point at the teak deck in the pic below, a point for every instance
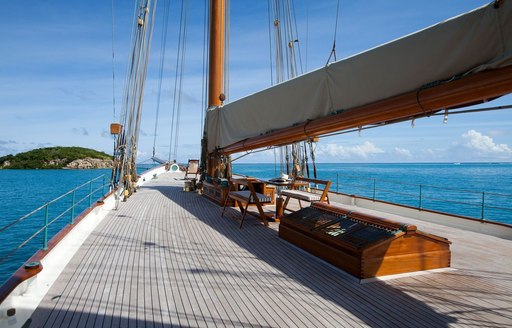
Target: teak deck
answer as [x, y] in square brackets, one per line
[167, 258]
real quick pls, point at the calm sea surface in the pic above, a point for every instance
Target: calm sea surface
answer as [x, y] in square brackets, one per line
[24, 191]
[475, 190]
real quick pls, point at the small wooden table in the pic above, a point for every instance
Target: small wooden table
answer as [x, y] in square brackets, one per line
[280, 185]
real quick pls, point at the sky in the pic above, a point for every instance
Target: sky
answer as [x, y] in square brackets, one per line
[56, 72]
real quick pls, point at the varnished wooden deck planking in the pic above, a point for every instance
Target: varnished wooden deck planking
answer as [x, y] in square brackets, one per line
[167, 258]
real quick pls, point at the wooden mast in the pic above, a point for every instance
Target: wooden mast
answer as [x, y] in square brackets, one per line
[216, 67]
[217, 42]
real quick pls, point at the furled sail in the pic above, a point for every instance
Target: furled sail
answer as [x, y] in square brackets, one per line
[477, 41]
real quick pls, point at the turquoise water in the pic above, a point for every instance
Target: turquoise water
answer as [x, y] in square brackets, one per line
[144, 167]
[25, 190]
[453, 188]
[457, 189]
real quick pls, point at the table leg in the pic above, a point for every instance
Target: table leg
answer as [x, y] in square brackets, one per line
[279, 207]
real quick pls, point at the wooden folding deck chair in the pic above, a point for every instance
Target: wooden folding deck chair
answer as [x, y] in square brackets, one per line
[192, 168]
[247, 197]
[304, 195]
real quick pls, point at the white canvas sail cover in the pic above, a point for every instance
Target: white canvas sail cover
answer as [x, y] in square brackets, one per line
[469, 43]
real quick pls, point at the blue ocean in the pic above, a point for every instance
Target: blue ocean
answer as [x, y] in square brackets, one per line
[23, 191]
[482, 191]
[478, 190]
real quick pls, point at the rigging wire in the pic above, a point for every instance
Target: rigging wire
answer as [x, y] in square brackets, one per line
[270, 42]
[113, 66]
[288, 46]
[176, 74]
[306, 159]
[313, 160]
[297, 40]
[180, 92]
[130, 64]
[312, 147]
[287, 157]
[275, 162]
[333, 51]
[141, 37]
[278, 41]
[204, 90]
[254, 152]
[476, 110]
[285, 40]
[226, 49]
[145, 50]
[147, 45]
[163, 43]
[307, 34]
[178, 82]
[204, 108]
[113, 177]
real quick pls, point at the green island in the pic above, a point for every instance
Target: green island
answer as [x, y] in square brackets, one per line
[57, 158]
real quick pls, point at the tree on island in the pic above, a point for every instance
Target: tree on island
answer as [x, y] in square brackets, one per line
[52, 158]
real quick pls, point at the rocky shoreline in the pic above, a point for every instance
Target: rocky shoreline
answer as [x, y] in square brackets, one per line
[77, 164]
[58, 158]
[90, 163]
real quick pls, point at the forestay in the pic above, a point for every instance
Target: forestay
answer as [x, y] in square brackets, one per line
[473, 42]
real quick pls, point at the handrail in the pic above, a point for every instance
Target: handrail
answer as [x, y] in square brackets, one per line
[380, 189]
[47, 222]
[423, 185]
[48, 203]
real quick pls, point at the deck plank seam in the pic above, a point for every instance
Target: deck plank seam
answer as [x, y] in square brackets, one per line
[355, 294]
[243, 281]
[230, 246]
[241, 242]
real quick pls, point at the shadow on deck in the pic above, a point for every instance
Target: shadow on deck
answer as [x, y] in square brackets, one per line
[375, 304]
[167, 258]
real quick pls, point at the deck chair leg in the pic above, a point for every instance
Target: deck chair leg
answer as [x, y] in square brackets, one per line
[243, 215]
[223, 209]
[262, 213]
[240, 206]
[225, 203]
[286, 203]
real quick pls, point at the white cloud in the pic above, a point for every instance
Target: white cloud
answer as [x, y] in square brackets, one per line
[485, 144]
[365, 150]
[403, 152]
